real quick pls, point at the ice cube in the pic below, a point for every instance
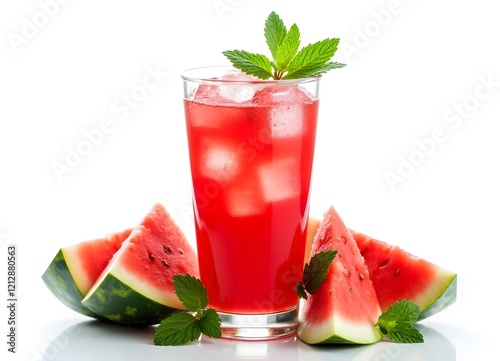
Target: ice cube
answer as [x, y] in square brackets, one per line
[244, 198]
[281, 94]
[286, 108]
[206, 91]
[280, 180]
[286, 121]
[219, 162]
[237, 93]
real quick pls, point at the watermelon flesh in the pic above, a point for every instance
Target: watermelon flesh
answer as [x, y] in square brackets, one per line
[74, 269]
[137, 287]
[397, 274]
[344, 309]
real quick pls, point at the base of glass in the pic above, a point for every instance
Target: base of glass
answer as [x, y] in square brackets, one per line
[250, 327]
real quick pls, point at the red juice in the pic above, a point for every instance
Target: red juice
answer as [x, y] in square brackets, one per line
[251, 164]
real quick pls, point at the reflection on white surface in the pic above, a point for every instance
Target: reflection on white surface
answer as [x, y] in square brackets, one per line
[94, 340]
[247, 349]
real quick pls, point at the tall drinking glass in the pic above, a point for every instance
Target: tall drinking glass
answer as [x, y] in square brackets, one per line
[251, 146]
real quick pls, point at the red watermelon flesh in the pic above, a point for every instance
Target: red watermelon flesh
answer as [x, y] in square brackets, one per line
[157, 250]
[344, 309]
[92, 257]
[397, 274]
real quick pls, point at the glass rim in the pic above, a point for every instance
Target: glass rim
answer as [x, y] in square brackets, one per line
[202, 77]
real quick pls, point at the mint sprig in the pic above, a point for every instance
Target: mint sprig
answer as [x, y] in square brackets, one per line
[397, 322]
[184, 327]
[315, 273]
[288, 62]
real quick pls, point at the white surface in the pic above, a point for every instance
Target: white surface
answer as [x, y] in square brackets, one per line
[416, 70]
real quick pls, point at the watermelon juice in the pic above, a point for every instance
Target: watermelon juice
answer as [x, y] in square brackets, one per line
[251, 147]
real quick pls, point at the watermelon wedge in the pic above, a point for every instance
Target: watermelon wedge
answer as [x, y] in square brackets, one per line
[74, 269]
[136, 287]
[397, 274]
[344, 309]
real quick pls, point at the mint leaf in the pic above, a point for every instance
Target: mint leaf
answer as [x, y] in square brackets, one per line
[210, 323]
[274, 32]
[181, 328]
[178, 329]
[288, 48]
[314, 70]
[397, 322]
[315, 273]
[252, 64]
[191, 292]
[312, 58]
[287, 61]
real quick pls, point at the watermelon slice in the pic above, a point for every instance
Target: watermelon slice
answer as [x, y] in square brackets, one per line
[397, 274]
[344, 309]
[136, 287]
[74, 269]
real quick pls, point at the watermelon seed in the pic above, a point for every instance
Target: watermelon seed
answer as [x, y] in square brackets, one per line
[180, 251]
[396, 272]
[151, 257]
[361, 277]
[166, 264]
[383, 264]
[167, 249]
[350, 289]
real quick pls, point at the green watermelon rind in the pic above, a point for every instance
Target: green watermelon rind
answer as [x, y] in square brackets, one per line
[338, 331]
[443, 299]
[61, 283]
[119, 302]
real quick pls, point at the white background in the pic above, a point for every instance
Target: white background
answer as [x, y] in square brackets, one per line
[415, 70]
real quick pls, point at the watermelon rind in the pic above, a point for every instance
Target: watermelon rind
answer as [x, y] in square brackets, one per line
[75, 268]
[61, 283]
[442, 299]
[331, 329]
[115, 300]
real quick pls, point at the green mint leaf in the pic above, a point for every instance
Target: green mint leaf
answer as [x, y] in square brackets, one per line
[274, 32]
[178, 329]
[288, 48]
[287, 62]
[191, 292]
[210, 323]
[257, 65]
[312, 71]
[181, 328]
[315, 272]
[311, 58]
[397, 322]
